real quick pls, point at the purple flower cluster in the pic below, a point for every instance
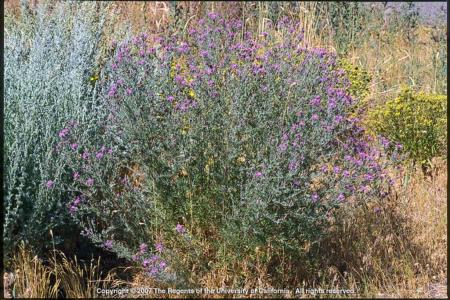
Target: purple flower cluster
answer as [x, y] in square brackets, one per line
[50, 184]
[108, 244]
[73, 206]
[63, 133]
[289, 98]
[180, 229]
[153, 264]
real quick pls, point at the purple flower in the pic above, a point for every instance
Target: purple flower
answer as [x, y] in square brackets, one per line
[146, 263]
[213, 15]
[76, 175]
[315, 197]
[90, 182]
[99, 154]
[368, 177]
[338, 119]
[179, 79]
[346, 173]
[74, 146]
[364, 189]
[135, 257]
[73, 123]
[384, 142]
[153, 271]
[129, 91]
[350, 187]
[162, 265]
[315, 117]
[180, 229]
[170, 98]
[112, 90]
[108, 244]
[315, 101]
[341, 197]
[72, 209]
[258, 174]
[183, 48]
[63, 132]
[77, 200]
[336, 170]
[282, 147]
[85, 155]
[293, 165]
[143, 248]
[332, 104]
[50, 184]
[324, 169]
[377, 209]
[159, 247]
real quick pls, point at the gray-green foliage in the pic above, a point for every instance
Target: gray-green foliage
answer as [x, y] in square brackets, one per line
[50, 54]
[223, 132]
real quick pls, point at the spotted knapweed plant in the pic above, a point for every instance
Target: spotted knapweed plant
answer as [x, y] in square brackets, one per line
[215, 129]
[51, 55]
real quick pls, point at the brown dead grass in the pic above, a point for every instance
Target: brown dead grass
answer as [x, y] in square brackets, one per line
[399, 251]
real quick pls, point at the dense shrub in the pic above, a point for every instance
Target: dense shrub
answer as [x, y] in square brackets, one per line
[359, 79]
[50, 56]
[418, 121]
[215, 130]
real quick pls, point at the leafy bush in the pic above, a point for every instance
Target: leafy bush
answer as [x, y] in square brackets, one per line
[359, 79]
[418, 121]
[214, 130]
[50, 55]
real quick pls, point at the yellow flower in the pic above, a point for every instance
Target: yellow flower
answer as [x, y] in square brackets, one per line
[183, 172]
[210, 162]
[192, 93]
[241, 159]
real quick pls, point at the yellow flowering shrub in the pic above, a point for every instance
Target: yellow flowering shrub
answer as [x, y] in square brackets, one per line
[418, 121]
[359, 79]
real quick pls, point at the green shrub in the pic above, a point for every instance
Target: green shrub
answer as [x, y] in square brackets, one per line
[359, 79]
[50, 56]
[220, 132]
[417, 121]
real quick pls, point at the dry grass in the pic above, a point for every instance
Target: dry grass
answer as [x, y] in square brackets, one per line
[31, 278]
[394, 61]
[82, 280]
[399, 251]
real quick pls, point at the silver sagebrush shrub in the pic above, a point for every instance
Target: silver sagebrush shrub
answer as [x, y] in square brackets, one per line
[50, 56]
